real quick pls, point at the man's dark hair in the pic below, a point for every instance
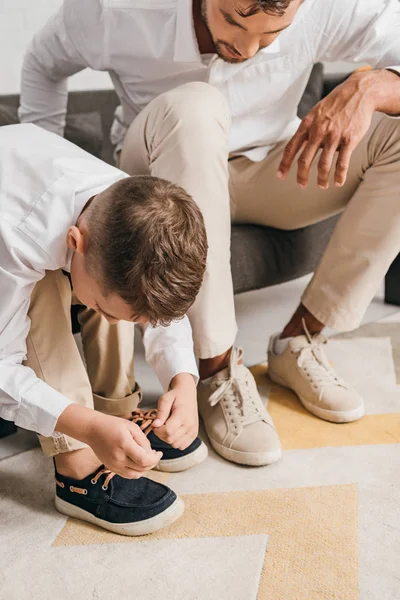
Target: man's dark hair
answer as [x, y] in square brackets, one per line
[148, 244]
[271, 7]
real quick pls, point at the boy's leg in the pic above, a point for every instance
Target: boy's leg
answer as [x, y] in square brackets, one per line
[53, 354]
[108, 351]
[365, 242]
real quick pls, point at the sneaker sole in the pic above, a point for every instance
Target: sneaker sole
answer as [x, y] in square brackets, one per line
[251, 459]
[334, 416]
[171, 514]
[175, 465]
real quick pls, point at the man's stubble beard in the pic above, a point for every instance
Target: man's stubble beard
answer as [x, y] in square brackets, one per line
[218, 47]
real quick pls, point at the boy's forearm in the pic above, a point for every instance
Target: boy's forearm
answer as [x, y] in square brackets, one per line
[77, 422]
[182, 379]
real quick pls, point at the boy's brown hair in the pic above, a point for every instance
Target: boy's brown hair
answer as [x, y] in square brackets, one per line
[148, 244]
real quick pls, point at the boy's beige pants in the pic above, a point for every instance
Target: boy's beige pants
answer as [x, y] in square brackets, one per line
[183, 136]
[107, 384]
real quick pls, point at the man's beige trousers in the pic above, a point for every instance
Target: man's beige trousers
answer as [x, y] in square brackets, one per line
[107, 384]
[183, 136]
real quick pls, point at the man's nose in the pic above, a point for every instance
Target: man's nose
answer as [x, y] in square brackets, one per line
[247, 48]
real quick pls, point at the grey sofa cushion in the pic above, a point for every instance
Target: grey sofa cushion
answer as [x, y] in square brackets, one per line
[83, 129]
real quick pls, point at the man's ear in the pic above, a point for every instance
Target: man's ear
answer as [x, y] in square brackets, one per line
[76, 240]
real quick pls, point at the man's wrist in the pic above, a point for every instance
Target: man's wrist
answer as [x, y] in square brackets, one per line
[381, 89]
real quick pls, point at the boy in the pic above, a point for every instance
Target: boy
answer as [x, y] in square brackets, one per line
[130, 250]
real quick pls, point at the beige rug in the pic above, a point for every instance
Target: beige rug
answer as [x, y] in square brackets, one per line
[322, 524]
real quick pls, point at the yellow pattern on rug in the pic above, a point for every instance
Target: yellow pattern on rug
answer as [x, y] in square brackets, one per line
[299, 429]
[312, 547]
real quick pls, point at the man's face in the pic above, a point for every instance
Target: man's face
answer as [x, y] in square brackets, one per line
[237, 38]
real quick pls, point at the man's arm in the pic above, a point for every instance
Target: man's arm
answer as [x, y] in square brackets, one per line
[367, 31]
[70, 41]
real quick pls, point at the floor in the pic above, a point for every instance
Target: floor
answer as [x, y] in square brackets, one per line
[264, 311]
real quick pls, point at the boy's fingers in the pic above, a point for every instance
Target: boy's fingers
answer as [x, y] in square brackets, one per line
[164, 409]
[140, 437]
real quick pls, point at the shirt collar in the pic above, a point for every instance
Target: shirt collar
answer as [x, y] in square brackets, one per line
[186, 46]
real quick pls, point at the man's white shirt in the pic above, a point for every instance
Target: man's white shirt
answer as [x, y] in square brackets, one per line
[45, 183]
[149, 47]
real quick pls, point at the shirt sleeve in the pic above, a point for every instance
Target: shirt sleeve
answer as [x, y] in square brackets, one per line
[360, 31]
[169, 350]
[24, 398]
[70, 41]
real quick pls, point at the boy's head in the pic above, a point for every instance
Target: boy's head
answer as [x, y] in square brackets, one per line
[140, 250]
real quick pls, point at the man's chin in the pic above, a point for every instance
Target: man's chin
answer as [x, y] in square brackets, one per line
[227, 57]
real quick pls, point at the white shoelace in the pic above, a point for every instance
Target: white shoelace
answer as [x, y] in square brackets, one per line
[314, 364]
[235, 392]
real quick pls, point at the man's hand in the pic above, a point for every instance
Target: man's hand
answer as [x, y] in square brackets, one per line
[177, 421]
[337, 124]
[118, 443]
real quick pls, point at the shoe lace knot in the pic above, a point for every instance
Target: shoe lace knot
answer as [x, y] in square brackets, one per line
[144, 418]
[235, 392]
[313, 362]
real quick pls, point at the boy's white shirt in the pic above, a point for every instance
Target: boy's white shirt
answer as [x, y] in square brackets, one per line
[149, 47]
[45, 182]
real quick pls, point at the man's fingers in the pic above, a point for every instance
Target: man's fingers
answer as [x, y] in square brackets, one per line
[164, 409]
[305, 161]
[342, 163]
[325, 163]
[290, 151]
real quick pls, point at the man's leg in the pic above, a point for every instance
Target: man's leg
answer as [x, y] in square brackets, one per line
[183, 136]
[365, 242]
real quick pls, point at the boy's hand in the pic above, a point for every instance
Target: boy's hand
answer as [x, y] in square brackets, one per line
[177, 421]
[118, 443]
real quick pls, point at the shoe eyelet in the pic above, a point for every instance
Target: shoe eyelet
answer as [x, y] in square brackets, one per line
[93, 481]
[104, 487]
[84, 492]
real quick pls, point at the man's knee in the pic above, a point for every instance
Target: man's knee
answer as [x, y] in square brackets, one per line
[196, 102]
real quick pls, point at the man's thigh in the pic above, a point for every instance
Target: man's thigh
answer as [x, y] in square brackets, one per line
[259, 197]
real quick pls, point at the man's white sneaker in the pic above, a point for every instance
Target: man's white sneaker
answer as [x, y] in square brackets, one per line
[237, 423]
[304, 368]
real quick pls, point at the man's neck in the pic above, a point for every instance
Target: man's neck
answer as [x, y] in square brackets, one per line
[204, 40]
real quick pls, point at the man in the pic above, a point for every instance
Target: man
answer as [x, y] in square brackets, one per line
[209, 95]
[131, 250]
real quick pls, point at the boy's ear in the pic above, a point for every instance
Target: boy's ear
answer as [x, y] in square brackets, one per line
[76, 240]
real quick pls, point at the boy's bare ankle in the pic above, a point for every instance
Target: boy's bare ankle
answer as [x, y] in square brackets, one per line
[77, 464]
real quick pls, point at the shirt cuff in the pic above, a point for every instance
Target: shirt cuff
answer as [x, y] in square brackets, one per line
[40, 409]
[171, 362]
[396, 69]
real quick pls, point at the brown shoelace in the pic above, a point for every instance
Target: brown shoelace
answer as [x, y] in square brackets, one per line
[147, 417]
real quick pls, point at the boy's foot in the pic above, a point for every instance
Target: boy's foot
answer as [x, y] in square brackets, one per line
[303, 367]
[125, 506]
[237, 423]
[173, 460]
